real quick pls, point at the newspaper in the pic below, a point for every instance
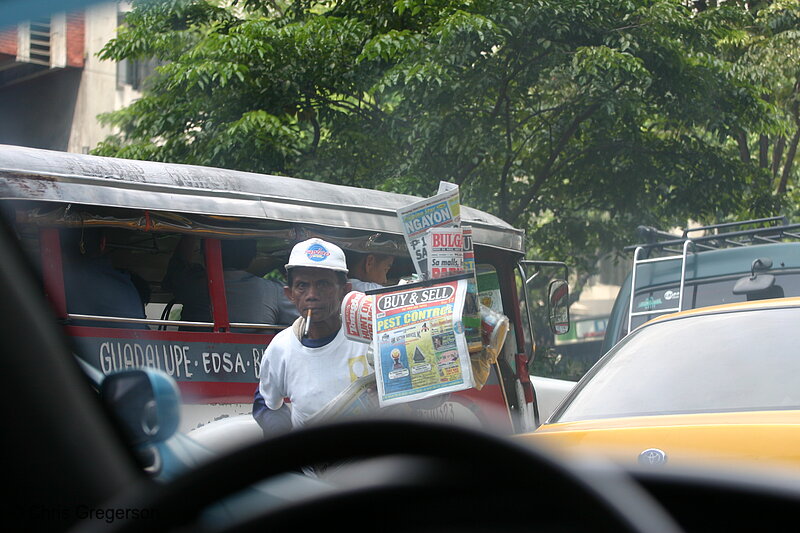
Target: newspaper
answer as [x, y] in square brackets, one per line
[445, 186]
[359, 399]
[419, 346]
[472, 315]
[357, 309]
[445, 252]
[442, 210]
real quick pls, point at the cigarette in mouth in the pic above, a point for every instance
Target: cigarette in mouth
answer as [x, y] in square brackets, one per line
[307, 324]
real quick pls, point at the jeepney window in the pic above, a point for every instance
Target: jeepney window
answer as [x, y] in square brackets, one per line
[489, 288]
[489, 294]
[252, 279]
[109, 272]
[254, 283]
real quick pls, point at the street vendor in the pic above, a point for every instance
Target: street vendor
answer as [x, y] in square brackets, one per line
[311, 362]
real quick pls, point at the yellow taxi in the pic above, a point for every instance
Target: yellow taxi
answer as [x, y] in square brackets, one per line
[719, 383]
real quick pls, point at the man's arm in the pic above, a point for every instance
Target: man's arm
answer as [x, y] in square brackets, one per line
[271, 421]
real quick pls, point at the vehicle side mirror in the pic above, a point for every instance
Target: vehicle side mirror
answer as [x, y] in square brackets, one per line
[558, 306]
[146, 402]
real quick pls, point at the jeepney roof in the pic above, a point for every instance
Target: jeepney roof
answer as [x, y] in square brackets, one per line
[68, 178]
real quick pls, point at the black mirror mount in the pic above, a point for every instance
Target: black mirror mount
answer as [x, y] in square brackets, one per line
[761, 264]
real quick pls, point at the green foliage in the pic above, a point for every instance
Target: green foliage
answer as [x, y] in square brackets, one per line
[575, 119]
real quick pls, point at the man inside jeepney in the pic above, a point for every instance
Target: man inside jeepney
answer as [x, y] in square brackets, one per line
[93, 286]
[313, 361]
[250, 298]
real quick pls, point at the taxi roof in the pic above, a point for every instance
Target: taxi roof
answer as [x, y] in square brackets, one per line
[62, 177]
[771, 303]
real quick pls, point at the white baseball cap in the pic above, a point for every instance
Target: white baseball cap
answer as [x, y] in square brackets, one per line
[316, 253]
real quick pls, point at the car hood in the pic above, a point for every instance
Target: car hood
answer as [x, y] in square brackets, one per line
[754, 438]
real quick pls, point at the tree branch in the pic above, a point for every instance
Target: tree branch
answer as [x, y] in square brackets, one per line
[545, 173]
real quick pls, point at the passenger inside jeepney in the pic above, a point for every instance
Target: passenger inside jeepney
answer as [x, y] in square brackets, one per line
[93, 286]
[250, 298]
[368, 270]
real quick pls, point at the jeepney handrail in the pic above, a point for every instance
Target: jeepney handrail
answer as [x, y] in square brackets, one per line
[157, 322]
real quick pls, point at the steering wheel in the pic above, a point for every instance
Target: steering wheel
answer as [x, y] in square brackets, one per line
[455, 479]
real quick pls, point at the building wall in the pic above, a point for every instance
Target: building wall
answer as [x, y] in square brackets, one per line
[57, 108]
[97, 92]
[76, 39]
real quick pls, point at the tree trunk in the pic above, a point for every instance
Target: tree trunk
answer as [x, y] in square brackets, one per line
[744, 150]
[777, 155]
[763, 151]
[787, 167]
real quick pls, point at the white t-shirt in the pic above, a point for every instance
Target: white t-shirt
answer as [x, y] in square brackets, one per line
[309, 377]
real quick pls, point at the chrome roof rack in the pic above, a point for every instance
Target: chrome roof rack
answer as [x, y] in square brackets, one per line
[728, 234]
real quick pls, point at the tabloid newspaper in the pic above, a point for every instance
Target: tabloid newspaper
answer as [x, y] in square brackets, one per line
[419, 346]
[440, 211]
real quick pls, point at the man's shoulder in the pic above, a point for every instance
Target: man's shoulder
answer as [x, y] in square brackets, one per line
[288, 337]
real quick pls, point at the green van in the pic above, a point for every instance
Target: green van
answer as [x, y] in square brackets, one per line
[708, 265]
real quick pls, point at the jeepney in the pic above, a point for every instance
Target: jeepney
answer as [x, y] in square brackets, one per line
[145, 208]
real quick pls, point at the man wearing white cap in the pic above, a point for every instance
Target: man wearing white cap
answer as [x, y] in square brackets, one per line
[313, 361]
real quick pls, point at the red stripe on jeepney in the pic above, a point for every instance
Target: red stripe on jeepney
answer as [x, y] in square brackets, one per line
[207, 392]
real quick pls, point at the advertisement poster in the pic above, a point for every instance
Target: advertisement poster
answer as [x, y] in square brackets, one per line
[489, 289]
[440, 211]
[419, 346]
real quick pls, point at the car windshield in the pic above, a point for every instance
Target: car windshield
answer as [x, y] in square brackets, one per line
[163, 161]
[735, 361]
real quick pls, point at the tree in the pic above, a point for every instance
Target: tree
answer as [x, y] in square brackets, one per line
[575, 119]
[769, 54]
